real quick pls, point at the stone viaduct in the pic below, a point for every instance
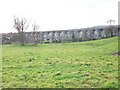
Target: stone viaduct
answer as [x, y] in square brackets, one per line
[72, 35]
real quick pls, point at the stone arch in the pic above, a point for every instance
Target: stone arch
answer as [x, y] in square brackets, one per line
[77, 35]
[69, 35]
[115, 31]
[50, 36]
[103, 33]
[84, 35]
[53, 36]
[80, 34]
[93, 34]
[96, 34]
[63, 36]
[56, 36]
[108, 32]
[90, 34]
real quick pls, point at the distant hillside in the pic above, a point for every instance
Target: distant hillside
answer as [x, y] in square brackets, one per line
[100, 26]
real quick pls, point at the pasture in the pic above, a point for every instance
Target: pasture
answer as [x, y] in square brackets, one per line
[61, 65]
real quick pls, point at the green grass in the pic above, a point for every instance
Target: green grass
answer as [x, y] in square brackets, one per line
[68, 65]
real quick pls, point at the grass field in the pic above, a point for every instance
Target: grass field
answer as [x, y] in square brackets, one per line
[67, 65]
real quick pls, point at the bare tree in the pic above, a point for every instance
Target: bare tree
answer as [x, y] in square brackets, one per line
[20, 25]
[110, 21]
[35, 27]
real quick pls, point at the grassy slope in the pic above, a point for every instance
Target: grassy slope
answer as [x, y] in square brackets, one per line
[80, 64]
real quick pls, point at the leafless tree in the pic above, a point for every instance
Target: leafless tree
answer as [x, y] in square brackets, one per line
[110, 21]
[35, 27]
[21, 25]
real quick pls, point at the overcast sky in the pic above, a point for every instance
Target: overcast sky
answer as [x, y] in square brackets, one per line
[58, 14]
